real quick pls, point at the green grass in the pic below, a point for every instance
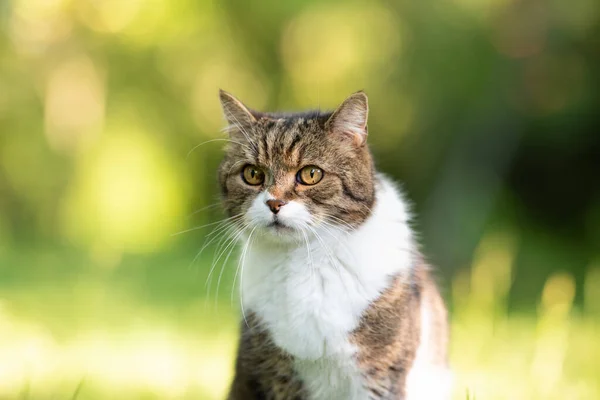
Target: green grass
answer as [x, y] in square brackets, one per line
[71, 328]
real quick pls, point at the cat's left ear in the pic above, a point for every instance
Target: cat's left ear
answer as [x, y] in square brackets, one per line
[236, 113]
[350, 118]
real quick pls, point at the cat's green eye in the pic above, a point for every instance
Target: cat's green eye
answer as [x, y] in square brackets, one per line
[310, 175]
[253, 175]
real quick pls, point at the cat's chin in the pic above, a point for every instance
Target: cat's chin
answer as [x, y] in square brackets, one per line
[277, 232]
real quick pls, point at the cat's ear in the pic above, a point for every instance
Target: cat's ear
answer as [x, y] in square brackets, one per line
[350, 118]
[236, 113]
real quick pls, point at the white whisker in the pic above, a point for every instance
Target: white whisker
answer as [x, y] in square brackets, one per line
[214, 140]
[241, 263]
[231, 247]
[336, 264]
[227, 233]
[204, 209]
[234, 164]
[308, 254]
[205, 225]
[239, 126]
[337, 220]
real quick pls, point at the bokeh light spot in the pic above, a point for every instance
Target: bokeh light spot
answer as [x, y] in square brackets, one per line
[127, 195]
[222, 74]
[74, 104]
[328, 50]
[36, 24]
[109, 16]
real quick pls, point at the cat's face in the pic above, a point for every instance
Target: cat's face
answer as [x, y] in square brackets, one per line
[285, 176]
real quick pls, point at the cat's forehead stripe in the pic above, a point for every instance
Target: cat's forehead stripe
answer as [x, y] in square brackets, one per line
[279, 140]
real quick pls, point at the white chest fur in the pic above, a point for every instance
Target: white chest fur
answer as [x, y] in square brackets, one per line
[312, 297]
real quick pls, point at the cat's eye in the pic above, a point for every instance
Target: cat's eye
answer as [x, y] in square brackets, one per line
[310, 175]
[253, 175]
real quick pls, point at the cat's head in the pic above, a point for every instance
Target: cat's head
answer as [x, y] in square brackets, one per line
[285, 175]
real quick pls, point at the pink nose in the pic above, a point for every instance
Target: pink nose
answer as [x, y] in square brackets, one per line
[275, 205]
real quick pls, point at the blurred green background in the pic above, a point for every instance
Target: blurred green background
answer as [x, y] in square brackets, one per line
[486, 110]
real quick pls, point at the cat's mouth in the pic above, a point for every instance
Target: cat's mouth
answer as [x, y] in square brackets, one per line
[279, 226]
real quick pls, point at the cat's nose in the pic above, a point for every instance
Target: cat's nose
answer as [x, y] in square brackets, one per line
[275, 205]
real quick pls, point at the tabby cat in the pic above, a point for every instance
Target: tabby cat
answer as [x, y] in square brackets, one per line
[337, 301]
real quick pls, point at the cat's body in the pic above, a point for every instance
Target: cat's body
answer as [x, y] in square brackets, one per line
[338, 303]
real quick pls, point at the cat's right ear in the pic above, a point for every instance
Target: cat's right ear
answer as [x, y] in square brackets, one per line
[236, 113]
[349, 120]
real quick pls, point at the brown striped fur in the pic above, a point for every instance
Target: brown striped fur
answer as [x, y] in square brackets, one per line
[389, 333]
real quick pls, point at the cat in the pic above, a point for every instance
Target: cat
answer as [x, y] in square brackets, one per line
[337, 301]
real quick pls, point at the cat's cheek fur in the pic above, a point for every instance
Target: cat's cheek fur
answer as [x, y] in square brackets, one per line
[238, 196]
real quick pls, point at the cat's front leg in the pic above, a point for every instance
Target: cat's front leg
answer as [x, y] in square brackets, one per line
[245, 387]
[263, 371]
